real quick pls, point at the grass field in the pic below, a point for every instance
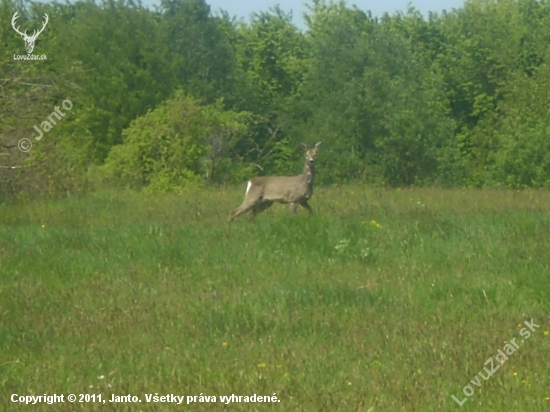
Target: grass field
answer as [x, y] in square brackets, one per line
[380, 301]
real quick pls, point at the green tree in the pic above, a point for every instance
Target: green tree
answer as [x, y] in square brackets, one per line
[380, 112]
[177, 144]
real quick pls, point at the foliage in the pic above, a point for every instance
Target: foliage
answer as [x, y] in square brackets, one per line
[455, 99]
[383, 116]
[522, 156]
[179, 142]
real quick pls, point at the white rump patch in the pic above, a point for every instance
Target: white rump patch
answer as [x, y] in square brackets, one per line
[248, 186]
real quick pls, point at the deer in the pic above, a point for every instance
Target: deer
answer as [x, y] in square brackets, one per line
[263, 191]
[29, 40]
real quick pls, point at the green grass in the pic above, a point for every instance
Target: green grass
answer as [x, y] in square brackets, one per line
[380, 301]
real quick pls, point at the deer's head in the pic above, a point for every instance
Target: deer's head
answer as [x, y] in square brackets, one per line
[29, 40]
[311, 154]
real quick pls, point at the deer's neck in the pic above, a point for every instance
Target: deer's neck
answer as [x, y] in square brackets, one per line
[309, 173]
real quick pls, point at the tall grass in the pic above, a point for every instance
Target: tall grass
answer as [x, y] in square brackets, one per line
[380, 301]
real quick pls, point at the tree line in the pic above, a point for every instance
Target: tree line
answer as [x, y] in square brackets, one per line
[182, 95]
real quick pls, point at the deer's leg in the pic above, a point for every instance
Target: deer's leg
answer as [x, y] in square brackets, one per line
[306, 206]
[253, 202]
[248, 204]
[260, 207]
[239, 211]
[293, 207]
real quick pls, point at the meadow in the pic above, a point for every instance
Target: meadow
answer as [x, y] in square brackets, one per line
[382, 300]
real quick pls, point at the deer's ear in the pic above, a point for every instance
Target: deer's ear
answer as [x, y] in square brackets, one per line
[318, 145]
[303, 146]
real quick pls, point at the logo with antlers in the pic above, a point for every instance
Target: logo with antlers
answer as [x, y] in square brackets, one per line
[29, 40]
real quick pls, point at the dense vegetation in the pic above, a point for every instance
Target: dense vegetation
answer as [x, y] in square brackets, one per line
[384, 301]
[181, 96]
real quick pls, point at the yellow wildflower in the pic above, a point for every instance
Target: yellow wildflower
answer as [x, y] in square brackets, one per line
[375, 224]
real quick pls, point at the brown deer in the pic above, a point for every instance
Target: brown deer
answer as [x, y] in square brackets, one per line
[263, 191]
